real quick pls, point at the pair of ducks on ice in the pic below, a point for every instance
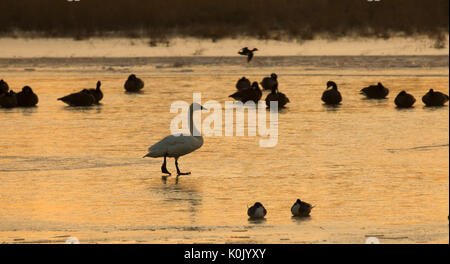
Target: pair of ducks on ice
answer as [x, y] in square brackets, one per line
[403, 99]
[333, 96]
[299, 209]
[11, 99]
[247, 92]
[88, 97]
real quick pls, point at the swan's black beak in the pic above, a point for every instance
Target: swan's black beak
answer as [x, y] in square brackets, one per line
[203, 108]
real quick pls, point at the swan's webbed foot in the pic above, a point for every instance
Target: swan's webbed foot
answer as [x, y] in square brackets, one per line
[164, 169]
[178, 169]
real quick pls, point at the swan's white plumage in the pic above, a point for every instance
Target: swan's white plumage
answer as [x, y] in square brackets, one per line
[178, 144]
[175, 146]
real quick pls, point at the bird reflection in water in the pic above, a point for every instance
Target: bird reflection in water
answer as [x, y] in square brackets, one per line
[183, 198]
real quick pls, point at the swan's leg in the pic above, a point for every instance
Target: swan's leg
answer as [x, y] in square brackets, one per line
[178, 169]
[163, 167]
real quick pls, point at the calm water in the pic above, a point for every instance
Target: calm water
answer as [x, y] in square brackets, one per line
[370, 169]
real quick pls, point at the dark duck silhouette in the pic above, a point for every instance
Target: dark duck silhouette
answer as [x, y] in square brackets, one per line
[433, 98]
[27, 98]
[331, 96]
[301, 209]
[268, 82]
[243, 84]
[133, 84]
[277, 96]
[375, 91]
[83, 98]
[4, 88]
[97, 93]
[404, 100]
[247, 52]
[8, 100]
[257, 211]
[253, 94]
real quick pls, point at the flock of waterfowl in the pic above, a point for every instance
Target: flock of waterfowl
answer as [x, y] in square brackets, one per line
[85, 97]
[247, 92]
[298, 209]
[404, 99]
[331, 96]
[10, 99]
[182, 144]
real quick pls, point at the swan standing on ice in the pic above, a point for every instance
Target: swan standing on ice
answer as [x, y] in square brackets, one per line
[175, 146]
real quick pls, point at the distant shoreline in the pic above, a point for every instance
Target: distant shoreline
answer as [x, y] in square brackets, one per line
[178, 47]
[265, 20]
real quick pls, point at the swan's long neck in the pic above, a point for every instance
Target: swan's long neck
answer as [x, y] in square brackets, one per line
[192, 128]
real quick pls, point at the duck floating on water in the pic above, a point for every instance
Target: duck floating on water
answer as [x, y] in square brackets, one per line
[133, 84]
[257, 211]
[301, 209]
[4, 88]
[277, 96]
[433, 98]
[253, 94]
[8, 100]
[247, 52]
[404, 100]
[243, 84]
[331, 96]
[27, 98]
[83, 98]
[375, 91]
[97, 93]
[269, 82]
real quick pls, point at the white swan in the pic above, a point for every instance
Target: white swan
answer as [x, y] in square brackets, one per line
[178, 145]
